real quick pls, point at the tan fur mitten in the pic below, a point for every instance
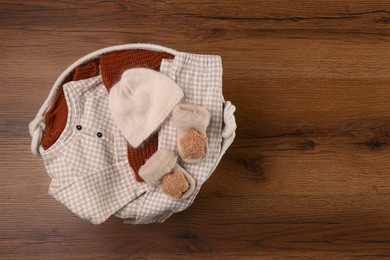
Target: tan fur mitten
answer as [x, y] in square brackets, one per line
[191, 123]
[162, 170]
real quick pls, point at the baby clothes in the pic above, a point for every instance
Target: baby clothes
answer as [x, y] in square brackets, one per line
[200, 77]
[94, 170]
[88, 163]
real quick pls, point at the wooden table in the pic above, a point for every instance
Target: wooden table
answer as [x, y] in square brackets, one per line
[309, 172]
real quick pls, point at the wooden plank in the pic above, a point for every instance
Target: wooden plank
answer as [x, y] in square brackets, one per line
[308, 174]
[367, 15]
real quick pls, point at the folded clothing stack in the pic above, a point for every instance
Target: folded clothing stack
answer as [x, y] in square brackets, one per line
[133, 131]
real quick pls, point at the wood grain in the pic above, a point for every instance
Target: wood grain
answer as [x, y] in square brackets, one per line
[309, 173]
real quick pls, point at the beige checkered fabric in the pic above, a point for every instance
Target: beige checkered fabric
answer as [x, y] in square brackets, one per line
[200, 77]
[88, 163]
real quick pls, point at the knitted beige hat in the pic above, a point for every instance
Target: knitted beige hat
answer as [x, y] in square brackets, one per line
[141, 101]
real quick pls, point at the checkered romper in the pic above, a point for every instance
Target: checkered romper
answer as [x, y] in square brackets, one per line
[200, 77]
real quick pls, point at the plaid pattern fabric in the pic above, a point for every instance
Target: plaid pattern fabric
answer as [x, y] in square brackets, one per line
[88, 163]
[200, 77]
